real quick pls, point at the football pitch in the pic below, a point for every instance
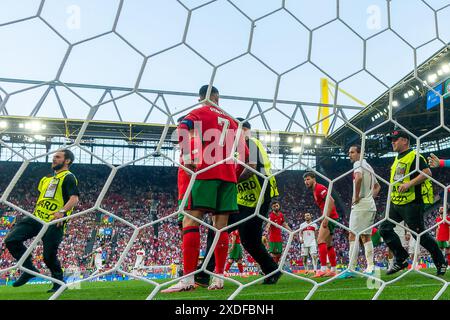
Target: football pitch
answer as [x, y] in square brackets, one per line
[413, 286]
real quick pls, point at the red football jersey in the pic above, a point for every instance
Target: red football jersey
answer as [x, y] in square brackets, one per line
[183, 182]
[217, 132]
[442, 233]
[274, 232]
[238, 238]
[183, 177]
[320, 195]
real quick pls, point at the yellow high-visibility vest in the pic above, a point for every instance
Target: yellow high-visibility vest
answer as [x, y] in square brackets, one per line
[51, 198]
[400, 170]
[249, 190]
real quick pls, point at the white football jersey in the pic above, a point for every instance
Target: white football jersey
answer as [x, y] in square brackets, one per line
[308, 233]
[98, 253]
[368, 180]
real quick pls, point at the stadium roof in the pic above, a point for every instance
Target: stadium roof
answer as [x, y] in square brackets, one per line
[410, 93]
[41, 130]
[409, 100]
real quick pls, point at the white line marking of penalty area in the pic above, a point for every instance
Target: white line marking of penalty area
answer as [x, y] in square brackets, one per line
[304, 291]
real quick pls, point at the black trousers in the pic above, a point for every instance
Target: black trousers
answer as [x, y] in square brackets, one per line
[250, 232]
[28, 228]
[412, 214]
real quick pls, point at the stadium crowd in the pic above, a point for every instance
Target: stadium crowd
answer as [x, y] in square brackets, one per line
[140, 195]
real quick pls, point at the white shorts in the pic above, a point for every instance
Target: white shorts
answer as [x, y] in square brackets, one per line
[310, 250]
[361, 219]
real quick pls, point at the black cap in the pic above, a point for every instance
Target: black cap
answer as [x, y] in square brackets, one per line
[245, 124]
[204, 89]
[398, 134]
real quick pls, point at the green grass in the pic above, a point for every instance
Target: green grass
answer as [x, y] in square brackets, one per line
[412, 287]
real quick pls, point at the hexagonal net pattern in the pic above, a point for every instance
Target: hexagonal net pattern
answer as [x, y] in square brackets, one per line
[253, 43]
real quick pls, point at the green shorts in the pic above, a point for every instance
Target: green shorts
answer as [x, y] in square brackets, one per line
[376, 238]
[276, 247]
[443, 244]
[236, 253]
[214, 196]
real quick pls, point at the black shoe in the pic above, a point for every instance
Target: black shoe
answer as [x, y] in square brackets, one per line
[24, 278]
[54, 288]
[397, 267]
[441, 269]
[273, 279]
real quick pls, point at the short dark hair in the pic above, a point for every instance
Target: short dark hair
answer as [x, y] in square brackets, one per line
[357, 147]
[68, 155]
[245, 124]
[181, 118]
[274, 202]
[204, 89]
[309, 174]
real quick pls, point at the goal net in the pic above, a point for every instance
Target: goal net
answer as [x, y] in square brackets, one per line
[313, 79]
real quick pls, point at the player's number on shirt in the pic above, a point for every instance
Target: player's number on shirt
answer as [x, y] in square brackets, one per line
[225, 123]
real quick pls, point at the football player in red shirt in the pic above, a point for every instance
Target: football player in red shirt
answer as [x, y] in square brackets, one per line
[183, 179]
[235, 254]
[215, 186]
[325, 238]
[442, 233]
[275, 238]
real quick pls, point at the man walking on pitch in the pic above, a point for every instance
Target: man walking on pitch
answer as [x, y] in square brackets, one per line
[58, 197]
[235, 254]
[362, 214]
[249, 192]
[408, 197]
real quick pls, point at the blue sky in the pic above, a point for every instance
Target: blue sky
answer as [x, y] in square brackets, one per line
[219, 31]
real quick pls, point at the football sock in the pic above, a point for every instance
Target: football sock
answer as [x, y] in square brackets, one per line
[314, 262]
[352, 255]
[240, 267]
[221, 251]
[323, 256]
[368, 250]
[305, 265]
[191, 249]
[332, 256]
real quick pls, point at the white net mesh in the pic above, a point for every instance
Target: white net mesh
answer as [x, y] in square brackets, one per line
[264, 47]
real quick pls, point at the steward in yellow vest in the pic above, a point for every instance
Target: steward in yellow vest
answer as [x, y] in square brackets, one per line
[58, 195]
[409, 194]
[249, 189]
[249, 192]
[403, 164]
